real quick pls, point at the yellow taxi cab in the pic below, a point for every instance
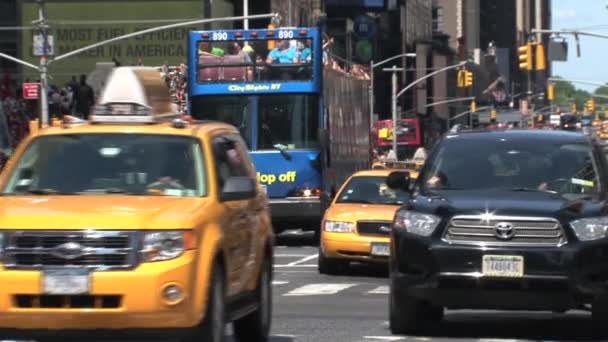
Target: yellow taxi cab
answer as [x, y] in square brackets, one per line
[134, 223]
[357, 224]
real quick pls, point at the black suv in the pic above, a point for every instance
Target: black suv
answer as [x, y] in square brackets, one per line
[512, 220]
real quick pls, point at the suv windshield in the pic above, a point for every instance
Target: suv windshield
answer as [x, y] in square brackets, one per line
[111, 164]
[371, 190]
[504, 164]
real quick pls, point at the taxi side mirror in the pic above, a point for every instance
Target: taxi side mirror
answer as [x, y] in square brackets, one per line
[238, 188]
[399, 180]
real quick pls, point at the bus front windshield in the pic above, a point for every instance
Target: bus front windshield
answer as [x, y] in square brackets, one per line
[289, 120]
[235, 110]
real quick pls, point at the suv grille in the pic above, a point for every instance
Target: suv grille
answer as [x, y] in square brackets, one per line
[505, 230]
[374, 228]
[101, 250]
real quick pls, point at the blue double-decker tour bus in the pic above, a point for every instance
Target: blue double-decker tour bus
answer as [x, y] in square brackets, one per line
[307, 126]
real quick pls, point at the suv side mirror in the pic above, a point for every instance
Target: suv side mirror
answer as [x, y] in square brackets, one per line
[238, 188]
[399, 180]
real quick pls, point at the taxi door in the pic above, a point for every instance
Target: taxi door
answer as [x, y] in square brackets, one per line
[234, 222]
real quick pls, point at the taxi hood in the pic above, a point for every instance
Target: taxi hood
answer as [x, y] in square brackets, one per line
[100, 212]
[352, 212]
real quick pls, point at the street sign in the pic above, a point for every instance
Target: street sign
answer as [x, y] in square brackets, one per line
[38, 46]
[30, 91]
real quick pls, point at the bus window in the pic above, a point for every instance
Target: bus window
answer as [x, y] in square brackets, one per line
[235, 110]
[290, 120]
[233, 61]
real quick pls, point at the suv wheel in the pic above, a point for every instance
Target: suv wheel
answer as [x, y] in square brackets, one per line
[213, 326]
[409, 315]
[330, 266]
[255, 327]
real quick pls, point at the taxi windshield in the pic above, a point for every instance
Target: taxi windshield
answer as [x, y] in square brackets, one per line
[130, 164]
[371, 190]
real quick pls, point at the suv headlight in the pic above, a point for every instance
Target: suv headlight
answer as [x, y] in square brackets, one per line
[416, 223]
[166, 245]
[592, 228]
[338, 227]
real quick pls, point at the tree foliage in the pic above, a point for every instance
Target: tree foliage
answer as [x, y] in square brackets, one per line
[566, 93]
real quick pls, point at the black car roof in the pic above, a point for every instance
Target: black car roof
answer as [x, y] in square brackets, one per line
[522, 135]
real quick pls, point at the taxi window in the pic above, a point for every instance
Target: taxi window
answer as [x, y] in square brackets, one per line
[142, 164]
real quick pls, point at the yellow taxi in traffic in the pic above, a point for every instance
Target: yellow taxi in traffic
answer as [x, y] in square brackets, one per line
[134, 223]
[357, 224]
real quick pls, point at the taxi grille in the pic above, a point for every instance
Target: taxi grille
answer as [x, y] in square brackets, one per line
[504, 231]
[101, 250]
[67, 302]
[374, 228]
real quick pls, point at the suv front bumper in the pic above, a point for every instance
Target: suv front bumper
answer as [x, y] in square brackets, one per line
[450, 275]
[140, 306]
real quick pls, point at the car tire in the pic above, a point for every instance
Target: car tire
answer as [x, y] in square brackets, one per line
[213, 326]
[330, 266]
[411, 315]
[255, 327]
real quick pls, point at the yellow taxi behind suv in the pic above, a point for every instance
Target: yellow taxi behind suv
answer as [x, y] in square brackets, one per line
[134, 223]
[357, 225]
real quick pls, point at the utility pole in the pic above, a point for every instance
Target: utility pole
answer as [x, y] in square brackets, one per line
[394, 70]
[372, 66]
[245, 14]
[44, 64]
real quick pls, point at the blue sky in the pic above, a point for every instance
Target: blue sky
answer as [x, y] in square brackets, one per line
[584, 15]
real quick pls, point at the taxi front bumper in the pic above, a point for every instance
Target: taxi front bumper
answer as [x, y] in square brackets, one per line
[351, 246]
[138, 302]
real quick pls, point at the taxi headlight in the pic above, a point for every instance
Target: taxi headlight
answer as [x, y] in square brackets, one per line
[592, 228]
[416, 223]
[339, 227]
[166, 245]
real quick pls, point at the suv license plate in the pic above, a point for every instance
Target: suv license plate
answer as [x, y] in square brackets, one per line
[510, 266]
[380, 249]
[65, 281]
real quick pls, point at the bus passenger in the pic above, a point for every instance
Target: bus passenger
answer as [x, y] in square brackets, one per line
[282, 54]
[306, 54]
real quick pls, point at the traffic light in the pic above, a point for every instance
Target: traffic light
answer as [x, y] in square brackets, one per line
[525, 56]
[473, 107]
[551, 92]
[573, 108]
[493, 115]
[465, 78]
[540, 64]
[591, 105]
[468, 79]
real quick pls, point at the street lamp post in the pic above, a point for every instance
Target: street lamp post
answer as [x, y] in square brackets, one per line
[373, 65]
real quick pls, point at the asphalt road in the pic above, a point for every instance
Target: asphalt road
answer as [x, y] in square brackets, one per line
[312, 307]
[353, 308]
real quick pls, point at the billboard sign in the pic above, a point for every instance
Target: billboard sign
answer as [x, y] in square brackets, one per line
[79, 23]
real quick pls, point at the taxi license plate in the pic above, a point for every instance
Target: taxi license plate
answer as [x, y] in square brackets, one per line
[380, 249]
[66, 281]
[510, 266]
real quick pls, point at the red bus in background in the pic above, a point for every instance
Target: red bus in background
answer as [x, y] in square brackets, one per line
[408, 137]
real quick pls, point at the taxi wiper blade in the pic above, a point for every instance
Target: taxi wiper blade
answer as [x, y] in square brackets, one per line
[47, 192]
[115, 191]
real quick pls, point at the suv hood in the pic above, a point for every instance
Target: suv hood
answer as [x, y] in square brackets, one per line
[99, 212]
[501, 202]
